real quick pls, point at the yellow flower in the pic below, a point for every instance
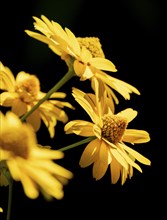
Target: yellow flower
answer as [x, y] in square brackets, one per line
[22, 93]
[86, 54]
[109, 134]
[1, 210]
[28, 163]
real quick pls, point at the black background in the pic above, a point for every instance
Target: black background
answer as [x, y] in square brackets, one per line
[132, 34]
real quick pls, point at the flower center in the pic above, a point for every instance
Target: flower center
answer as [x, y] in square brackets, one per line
[28, 88]
[113, 128]
[15, 142]
[93, 45]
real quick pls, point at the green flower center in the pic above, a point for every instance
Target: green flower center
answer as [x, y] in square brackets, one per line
[93, 45]
[28, 89]
[113, 128]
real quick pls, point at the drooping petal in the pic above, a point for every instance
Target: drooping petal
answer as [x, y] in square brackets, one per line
[137, 155]
[84, 101]
[118, 85]
[129, 160]
[119, 158]
[50, 121]
[124, 174]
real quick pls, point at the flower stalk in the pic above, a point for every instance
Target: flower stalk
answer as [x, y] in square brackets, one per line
[86, 140]
[9, 199]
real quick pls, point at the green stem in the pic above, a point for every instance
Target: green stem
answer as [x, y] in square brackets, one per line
[77, 143]
[9, 199]
[58, 85]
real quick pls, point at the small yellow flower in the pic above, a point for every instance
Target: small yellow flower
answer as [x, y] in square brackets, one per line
[1, 210]
[22, 93]
[110, 130]
[28, 163]
[86, 54]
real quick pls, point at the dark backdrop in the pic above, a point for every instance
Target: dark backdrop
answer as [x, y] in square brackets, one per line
[132, 34]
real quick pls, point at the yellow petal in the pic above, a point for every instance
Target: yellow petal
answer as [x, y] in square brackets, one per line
[137, 155]
[90, 153]
[7, 98]
[103, 153]
[79, 127]
[128, 113]
[120, 86]
[79, 68]
[14, 169]
[115, 169]
[103, 64]
[13, 120]
[85, 55]
[51, 167]
[7, 80]
[86, 103]
[119, 158]
[136, 136]
[40, 37]
[35, 120]
[99, 169]
[45, 153]
[29, 186]
[19, 107]
[129, 160]
[73, 41]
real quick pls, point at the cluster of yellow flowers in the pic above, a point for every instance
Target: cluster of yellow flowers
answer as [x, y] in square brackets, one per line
[106, 134]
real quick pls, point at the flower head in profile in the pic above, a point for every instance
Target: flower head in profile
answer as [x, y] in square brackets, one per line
[29, 163]
[85, 55]
[109, 134]
[23, 92]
